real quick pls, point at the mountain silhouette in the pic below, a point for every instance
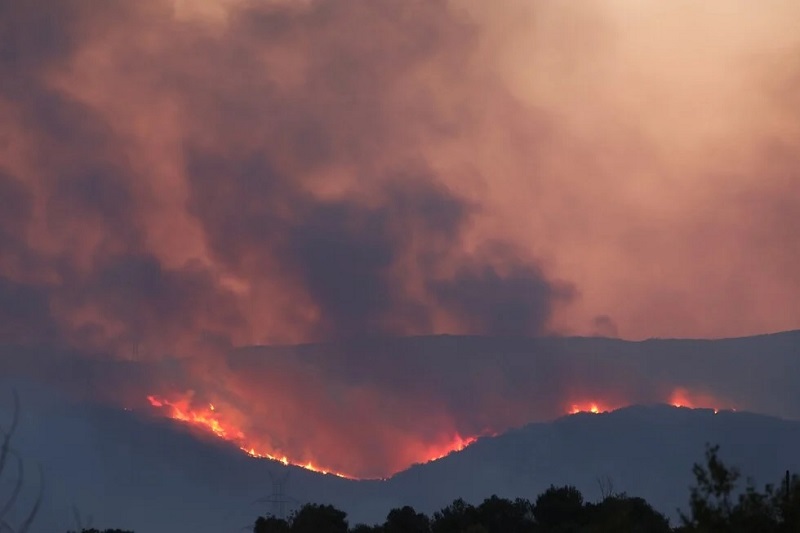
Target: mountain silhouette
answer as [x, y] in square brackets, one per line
[131, 469]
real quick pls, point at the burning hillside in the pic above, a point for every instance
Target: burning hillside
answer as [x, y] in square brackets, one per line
[213, 421]
[179, 180]
[217, 422]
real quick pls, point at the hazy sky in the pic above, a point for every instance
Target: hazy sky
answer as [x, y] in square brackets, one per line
[183, 176]
[250, 171]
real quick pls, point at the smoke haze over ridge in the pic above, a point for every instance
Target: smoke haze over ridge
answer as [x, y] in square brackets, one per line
[180, 178]
[372, 407]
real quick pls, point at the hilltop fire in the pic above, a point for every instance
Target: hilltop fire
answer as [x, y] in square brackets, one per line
[222, 423]
[681, 397]
[590, 407]
[211, 420]
[410, 447]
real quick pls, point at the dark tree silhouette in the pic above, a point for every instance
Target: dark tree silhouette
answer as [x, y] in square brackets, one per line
[710, 500]
[363, 528]
[458, 516]
[786, 502]
[406, 520]
[6, 453]
[314, 518]
[270, 524]
[500, 515]
[94, 530]
[712, 508]
[621, 513]
[559, 509]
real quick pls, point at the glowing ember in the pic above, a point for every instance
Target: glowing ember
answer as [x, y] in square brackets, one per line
[211, 420]
[180, 411]
[458, 444]
[592, 407]
[681, 397]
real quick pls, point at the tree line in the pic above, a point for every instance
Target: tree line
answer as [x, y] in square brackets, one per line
[716, 505]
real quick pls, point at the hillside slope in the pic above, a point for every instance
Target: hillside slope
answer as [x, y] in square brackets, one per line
[158, 476]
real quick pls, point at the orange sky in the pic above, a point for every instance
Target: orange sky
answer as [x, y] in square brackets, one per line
[670, 193]
[637, 158]
[184, 177]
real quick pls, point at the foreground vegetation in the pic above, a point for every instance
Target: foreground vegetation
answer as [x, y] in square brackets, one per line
[9, 455]
[716, 505]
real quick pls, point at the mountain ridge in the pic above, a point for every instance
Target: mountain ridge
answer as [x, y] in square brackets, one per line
[126, 461]
[115, 463]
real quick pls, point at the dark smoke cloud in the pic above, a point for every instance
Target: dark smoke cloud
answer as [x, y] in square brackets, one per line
[605, 326]
[24, 313]
[180, 178]
[259, 152]
[516, 301]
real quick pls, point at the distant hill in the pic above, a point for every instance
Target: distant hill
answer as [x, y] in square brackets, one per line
[129, 469]
[538, 375]
[158, 476]
[646, 451]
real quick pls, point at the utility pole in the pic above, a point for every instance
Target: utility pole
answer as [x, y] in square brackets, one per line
[278, 498]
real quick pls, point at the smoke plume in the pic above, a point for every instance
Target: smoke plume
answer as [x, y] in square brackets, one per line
[179, 179]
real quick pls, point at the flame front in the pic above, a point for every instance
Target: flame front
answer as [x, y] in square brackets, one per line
[458, 444]
[682, 397]
[590, 407]
[210, 419]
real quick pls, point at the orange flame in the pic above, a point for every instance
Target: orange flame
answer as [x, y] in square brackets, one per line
[588, 407]
[211, 420]
[681, 397]
[458, 444]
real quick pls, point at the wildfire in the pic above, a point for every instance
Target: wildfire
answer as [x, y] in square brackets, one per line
[458, 444]
[180, 411]
[210, 419]
[591, 407]
[681, 397]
